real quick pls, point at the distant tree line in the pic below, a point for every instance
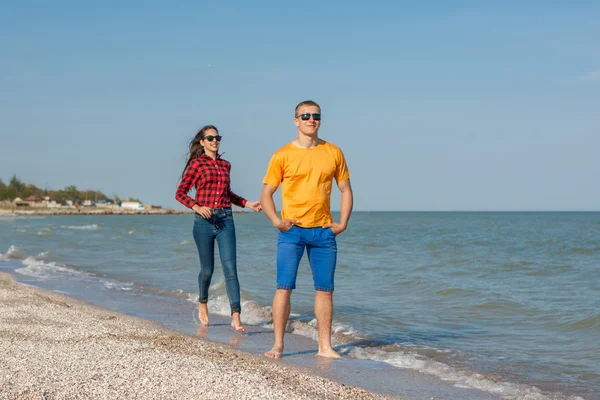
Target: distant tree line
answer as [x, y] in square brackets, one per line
[17, 188]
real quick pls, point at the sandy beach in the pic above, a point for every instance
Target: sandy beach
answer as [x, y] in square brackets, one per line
[56, 347]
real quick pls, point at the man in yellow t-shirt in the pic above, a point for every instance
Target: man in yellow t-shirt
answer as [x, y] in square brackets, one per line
[305, 169]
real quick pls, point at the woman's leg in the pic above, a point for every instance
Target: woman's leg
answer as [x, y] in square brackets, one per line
[204, 236]
[227, 250]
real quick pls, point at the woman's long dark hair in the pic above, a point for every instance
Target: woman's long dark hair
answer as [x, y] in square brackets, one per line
[196, 149]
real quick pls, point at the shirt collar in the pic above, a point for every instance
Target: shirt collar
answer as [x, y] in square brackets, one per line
[218, 157]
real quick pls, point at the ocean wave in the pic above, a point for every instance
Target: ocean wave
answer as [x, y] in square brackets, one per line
[502, 304]
[37, 268]
[115, 285]
[402, 358]
[253, 313]
[591, 324]
[42, 270]
[43, 254]
[13, 253]
[454, 292]
[341, 334]
[550, 270]
[585, 251]
[80, 227]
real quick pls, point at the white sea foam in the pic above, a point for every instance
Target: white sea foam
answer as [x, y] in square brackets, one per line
[218, 303]
[41, 270]
[43, 254]
[305, 329]
[460, 378]
[218, 285]
[115, 285]
[13, 252]
[80, 227]
[193, 298]
[254, 314]
[185, 242]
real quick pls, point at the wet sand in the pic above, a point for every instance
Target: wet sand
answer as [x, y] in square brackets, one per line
[55, 347]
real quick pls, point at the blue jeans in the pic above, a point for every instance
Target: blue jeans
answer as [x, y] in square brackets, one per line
[321, 247]
[219, 226]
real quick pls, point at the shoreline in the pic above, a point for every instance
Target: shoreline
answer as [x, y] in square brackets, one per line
[89, 211]
[56, 346]
[94, 211]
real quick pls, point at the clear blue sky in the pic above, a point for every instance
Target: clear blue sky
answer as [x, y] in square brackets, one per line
[437, 105]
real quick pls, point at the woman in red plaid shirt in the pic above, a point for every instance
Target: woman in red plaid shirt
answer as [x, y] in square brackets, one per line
[209, 174]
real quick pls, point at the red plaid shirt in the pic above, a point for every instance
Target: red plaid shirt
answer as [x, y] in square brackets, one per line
[211, 180]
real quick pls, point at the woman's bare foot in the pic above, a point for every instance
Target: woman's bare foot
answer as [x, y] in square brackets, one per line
[236, 340]
[202, 330]
[275, 352]
[330, 353]
[236, 323]
[203, 314]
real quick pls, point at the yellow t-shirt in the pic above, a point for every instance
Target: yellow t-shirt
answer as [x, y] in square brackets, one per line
[306, 176]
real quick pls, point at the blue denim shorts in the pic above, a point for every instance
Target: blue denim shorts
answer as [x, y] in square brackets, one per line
[321, 248]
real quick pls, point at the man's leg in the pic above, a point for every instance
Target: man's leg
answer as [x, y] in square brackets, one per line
[324, 314]
[281, 314]
[290, 248]
[322, 255]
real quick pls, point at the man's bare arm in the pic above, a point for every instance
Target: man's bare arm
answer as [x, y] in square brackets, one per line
[346, 203]
[268, 206]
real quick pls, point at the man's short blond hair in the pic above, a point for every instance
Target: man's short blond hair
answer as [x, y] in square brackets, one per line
[306, 103]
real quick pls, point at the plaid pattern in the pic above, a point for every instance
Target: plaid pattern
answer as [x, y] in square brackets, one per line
[211, 180]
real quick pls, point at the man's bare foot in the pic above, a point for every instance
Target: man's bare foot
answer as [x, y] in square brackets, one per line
[203, 314]
[275, 352]
[236, 323]
[330, 353]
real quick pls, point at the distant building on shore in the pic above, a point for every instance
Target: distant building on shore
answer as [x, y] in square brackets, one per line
[107, 202]
[132, 205]
[33, 199]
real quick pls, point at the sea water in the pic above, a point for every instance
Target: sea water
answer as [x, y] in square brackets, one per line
[508, 303]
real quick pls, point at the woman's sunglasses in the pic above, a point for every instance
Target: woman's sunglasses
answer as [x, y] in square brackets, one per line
[211, 138]
[306, 116]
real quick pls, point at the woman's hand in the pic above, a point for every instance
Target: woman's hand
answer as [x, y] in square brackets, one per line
[254, 205]
[204, 211]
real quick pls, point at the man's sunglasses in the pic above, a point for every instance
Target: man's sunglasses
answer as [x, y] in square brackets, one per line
[211, 138]
[306, 116]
